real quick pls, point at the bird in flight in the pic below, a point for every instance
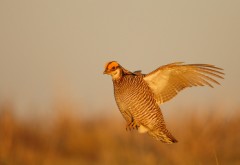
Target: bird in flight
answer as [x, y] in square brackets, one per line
[138, 95]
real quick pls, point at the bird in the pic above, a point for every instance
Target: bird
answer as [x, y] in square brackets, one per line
[139, 96]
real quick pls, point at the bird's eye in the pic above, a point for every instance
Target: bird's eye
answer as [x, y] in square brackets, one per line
[113, 68]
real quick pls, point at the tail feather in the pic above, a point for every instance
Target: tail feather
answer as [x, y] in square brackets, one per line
[163, 135]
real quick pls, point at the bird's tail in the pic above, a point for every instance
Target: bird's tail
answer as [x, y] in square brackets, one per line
[163, 135]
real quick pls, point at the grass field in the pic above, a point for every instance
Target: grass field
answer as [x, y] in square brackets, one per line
[204, 138]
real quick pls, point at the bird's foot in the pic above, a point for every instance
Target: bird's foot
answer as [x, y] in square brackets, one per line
[131, 126]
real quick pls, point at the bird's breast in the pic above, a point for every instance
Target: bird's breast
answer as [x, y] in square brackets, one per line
[134, 94]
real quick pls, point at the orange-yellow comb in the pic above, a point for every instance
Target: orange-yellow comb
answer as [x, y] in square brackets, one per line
[111, 64]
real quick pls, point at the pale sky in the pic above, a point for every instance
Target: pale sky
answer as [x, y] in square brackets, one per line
[56, 49]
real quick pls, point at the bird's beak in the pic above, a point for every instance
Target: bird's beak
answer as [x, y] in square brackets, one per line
[105, 72]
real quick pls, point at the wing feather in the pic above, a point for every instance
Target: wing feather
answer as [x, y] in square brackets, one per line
[168, 80]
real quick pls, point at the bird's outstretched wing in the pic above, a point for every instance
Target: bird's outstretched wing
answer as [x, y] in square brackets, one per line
[168, 80]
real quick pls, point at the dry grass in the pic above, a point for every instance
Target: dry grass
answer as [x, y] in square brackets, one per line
[65, 139]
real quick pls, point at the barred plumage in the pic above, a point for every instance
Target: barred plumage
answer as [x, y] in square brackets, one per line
[138, 95]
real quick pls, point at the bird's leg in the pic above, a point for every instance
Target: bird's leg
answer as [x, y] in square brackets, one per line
[132, 125]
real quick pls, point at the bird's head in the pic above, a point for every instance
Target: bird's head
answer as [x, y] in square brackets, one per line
[115, 70]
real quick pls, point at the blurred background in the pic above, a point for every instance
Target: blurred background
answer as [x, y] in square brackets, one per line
[56, 106]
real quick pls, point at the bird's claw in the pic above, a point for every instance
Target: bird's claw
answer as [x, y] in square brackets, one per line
[131, 126]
